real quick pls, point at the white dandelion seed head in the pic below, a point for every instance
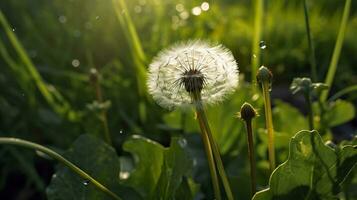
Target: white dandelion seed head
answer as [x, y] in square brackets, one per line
[215, 65]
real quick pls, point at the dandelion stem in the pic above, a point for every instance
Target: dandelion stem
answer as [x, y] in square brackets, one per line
[269, 124]
[202, 118]
[251, 154]
[210, 159]
[247, 113]
[58, 157]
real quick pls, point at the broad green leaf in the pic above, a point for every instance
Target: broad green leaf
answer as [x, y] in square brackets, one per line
[159, 171]
[339, 112]
[312, 171]
[97, 159]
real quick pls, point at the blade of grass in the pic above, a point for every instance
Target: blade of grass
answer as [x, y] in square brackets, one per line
[337, 51]
[22, 78]
[137, 53]
[311, 44]
[343, 92]
[257, 30]
[52, 96]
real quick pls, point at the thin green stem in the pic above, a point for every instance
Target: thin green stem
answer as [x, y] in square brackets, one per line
[343, 92]
[201, 115]
[103, 113]
[337, 51]
[310, 111]
[136, 51]
[210, 159]
[269, 124]
[58, 157]
[258, 20]
[251, 156]
[311, 45]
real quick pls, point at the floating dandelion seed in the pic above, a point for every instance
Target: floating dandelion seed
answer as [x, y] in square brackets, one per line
[191, 67]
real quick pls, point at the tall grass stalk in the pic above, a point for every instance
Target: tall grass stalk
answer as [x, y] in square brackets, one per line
[61, 159]
[53, 97]
[337, 50]
[311, 44]
[137, 52]
[257, 34]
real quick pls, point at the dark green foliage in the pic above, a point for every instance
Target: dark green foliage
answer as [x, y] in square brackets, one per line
[312, 171]
[97, 159]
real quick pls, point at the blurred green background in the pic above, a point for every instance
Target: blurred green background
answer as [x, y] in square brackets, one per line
[49, 94]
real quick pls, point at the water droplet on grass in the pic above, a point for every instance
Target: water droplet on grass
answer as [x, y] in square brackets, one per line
[262, 45]
[14, 29]
[121, 131]
[86, 182]
[97, 17]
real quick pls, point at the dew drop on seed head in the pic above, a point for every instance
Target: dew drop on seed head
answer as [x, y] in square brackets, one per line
[86, 182]
[14, 29]
[97, 17]
[262, 45]
[121, 131]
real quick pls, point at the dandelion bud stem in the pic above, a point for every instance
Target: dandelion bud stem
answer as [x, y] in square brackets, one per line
[264, 77]
[247, 113]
